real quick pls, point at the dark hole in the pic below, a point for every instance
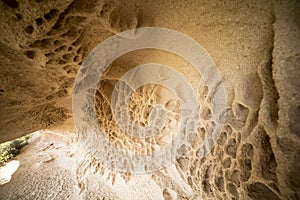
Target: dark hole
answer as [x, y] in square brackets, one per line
[57, 42]
[76, 59]
[56, 25]
[19, 16]
[1, 90]
[39, 21]
[30, 54]
[49, 55]
[51, 14]
[11, 3]
[29, 29]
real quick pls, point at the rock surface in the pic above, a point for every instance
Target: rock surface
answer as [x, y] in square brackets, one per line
[255, 45]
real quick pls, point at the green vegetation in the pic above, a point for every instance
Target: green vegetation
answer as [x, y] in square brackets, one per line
[10, 149]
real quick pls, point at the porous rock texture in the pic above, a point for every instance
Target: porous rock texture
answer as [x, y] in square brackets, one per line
[256, 47]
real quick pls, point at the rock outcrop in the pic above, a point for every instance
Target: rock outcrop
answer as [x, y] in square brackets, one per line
[256, 48]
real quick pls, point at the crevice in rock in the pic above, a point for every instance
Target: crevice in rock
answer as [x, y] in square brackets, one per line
[261, 191]
[11, 3]
[268, 162]
[269, 106]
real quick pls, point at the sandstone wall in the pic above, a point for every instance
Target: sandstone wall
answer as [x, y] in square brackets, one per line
[255, 45]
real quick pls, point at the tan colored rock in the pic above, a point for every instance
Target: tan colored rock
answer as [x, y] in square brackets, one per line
[255, 45]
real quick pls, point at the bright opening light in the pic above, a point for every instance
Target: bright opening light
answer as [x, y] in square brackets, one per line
[8, 170]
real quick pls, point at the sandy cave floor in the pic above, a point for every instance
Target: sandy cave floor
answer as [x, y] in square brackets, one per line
[50, 173]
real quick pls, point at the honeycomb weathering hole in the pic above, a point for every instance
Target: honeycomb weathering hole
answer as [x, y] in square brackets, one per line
[146, 103]
[143, 100]
[144, 118]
